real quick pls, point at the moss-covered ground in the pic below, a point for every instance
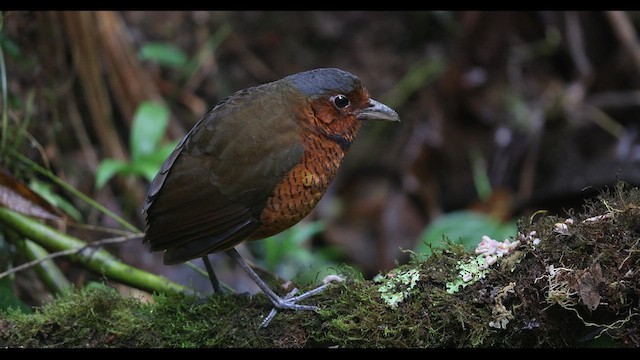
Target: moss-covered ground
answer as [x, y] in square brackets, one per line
[571, 283]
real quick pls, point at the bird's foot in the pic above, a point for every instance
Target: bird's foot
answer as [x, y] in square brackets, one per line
[291, 302]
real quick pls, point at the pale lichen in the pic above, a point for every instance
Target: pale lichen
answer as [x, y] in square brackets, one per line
[469, 272]
[489, 251]
[396, 286]
[501, 315]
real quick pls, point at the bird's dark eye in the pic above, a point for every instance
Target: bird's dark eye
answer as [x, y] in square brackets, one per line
[341, 101]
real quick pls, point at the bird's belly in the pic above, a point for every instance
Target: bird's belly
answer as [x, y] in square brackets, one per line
[297, 194]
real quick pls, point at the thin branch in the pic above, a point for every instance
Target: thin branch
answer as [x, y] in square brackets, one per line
[575, 40]
[98, 260]
[623, 28]
[50, 274]
[614, 99]
[54, 255]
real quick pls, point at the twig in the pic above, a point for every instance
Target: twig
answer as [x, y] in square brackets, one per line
[38, 261]
[67, 252]
[626, 34]
[81, 133]
[99, 260]
[615, 99]
[50, 274]
[631, 251]
[575, 40]
[604, 121]
[196, 70]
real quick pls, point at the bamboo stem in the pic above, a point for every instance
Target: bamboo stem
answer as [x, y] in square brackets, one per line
[47, 270]
[98, 260]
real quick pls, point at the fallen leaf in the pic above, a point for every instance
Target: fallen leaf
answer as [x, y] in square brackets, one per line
[588, 282]
[16, 196]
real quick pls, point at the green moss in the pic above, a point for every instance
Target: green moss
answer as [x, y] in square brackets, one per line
[554, 294]
[100, 317]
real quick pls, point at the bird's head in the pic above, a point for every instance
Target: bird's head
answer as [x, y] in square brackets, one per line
[339, 102]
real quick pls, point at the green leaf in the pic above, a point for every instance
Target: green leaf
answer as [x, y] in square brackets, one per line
[163, 54]
[148, 169]
[9, 46]
[290, 244]
[149, 124]
[44, 190]
[465, 228]
[107, 169]
[290, 254]
[161, 154]
[8, 299]
[149, 165]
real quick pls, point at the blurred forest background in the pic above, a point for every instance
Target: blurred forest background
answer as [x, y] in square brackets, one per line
[503, 114]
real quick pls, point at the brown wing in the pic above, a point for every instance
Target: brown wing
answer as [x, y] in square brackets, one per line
[209, 193]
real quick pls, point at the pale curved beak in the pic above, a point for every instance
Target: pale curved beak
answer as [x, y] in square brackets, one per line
[378, 111]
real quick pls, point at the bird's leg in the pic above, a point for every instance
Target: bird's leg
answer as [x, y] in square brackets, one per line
[289, 296]
[212, 275]
[274, 311]
[278, 302]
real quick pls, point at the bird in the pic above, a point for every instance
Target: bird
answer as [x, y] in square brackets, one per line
[255, 165]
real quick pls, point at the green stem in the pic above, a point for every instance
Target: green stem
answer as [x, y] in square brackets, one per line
[207, 50]
[47, 270]
[421, 73]
[98, 260]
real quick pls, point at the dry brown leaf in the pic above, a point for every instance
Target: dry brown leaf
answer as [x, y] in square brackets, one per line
[16, 196]
[588, 282]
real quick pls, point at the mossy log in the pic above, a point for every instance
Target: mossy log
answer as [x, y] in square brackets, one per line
[567, 283]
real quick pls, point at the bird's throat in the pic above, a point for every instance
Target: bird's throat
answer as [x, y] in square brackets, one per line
[344, 141]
